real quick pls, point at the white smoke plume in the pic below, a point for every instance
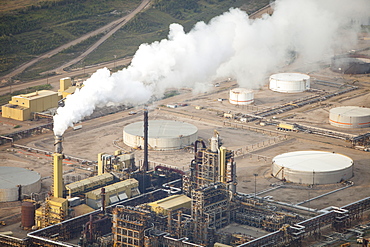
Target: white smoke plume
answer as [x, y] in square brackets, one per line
[230, 45]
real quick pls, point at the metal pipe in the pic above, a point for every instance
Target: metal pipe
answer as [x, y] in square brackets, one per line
[103, 200]
[58, 148]
[146, 126]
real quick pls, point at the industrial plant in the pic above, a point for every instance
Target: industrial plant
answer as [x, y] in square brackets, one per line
[283, 164]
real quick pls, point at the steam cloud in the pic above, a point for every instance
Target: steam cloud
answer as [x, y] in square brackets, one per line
[230, 45]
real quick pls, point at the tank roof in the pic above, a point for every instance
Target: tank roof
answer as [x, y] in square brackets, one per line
[317, 161]
[353, 111]
[290, 76]
[10, 177]
[241, 90]
[162, 129]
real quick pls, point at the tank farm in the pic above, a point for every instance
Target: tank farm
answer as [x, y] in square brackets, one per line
[284, 163]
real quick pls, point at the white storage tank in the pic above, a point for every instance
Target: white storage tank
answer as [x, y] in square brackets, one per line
[241, 96]
[350, 117]
[289, 82]
[16, 181]
[162, 134]
[312, 167]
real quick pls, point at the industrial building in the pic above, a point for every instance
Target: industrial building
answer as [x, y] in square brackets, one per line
[312, 167]
[22, 107]
[350, 117]
[163, 134]
[289, 82]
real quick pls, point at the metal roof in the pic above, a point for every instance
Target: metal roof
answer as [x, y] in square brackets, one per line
[10, 177]
[317, 161]
[162, 129]
[351, 111]
[37, 94]
[116, 186]
[241, 90]
[290, 77]
[171, 201]
[90, 180]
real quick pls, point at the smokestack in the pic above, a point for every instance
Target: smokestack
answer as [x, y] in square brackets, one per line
[103, 200]
[58, 167]
[58, 148]
[145, 165]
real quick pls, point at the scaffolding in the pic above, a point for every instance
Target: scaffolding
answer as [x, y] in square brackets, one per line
[129, 225]
[210, 211]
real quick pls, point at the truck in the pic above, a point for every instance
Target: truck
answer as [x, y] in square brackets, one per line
[287, 127]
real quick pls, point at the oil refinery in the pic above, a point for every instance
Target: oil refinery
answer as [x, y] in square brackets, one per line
[285, 164]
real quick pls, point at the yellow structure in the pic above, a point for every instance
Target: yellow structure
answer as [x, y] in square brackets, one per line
[100, 164]
[58, 175]
[170, 203]
[64, 84]
[113, 193]
[223, 167]
[82, 186]
[221, 245]
[22, 106]
[66, 88]
[53, 211]
[117, 162]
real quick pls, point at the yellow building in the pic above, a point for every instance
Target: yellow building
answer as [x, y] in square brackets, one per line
[22, 106]
[113, 193]
[170, 203]
[53, 211]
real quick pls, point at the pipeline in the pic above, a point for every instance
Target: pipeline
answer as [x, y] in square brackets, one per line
[328, 193]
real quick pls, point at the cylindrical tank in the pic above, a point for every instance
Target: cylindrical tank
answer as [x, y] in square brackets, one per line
[350, 117]
[312, 167]
[241, 96]
[351, 64]
[163, 134]
[289, 82]
[28, 214]
[16, 182]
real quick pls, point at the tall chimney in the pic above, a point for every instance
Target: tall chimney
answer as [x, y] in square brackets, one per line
[58, 168]
[58, 148]
[145, 164]
[102, 200]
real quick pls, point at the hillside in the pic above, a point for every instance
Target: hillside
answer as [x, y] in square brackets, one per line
[31, 30]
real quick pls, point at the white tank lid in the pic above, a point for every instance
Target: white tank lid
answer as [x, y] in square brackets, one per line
[290, 77]
[352, 111]
[317, 161]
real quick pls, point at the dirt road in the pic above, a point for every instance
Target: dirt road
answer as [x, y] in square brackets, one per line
[113, 27]
[54, 80]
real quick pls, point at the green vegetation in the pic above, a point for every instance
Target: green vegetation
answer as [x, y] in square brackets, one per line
[153, 24]
[36, 29]
[4, 99]
[34, 72]
[170, 94]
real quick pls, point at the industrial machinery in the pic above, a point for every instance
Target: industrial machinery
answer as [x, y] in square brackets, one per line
[210, 166]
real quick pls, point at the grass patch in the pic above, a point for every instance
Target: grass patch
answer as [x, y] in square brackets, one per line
[170, 94]
[4, 99]
[153, 25]
[31, 30]
[47, 25]
[34, 72]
